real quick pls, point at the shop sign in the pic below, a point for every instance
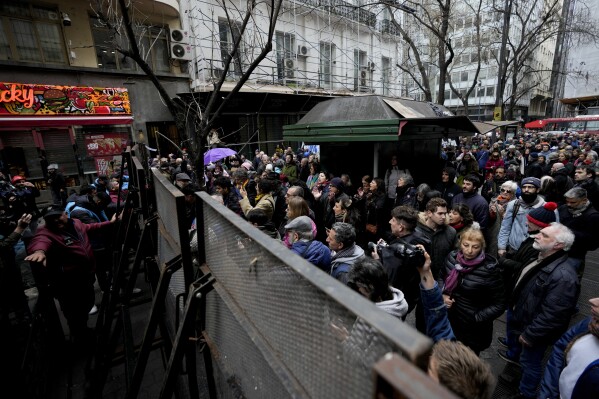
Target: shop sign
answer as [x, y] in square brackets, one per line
[47, 100]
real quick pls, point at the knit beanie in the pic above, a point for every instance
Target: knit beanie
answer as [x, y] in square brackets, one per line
[544, 215]
[337, 183]
[533, 181]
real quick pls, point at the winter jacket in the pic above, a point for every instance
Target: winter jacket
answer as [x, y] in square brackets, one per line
[266, 203]
[68, 252]
[435, 314]
[514, 230]
[592, 191]
[448, 190]
[341, 262]
[290, 170]
[478, 206]
[406, 196]
[545, 298]
[375, 213]
[534, 169]
[479, 300]
[557, 362]
[584, 228]
[511, 267]
[442, 242]
[314, 252]
[392, 175]
[231, 201]
[403, 275]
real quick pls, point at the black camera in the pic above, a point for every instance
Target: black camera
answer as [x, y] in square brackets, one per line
[411, 254]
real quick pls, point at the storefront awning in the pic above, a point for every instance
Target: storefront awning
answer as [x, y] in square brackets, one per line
[63, 120]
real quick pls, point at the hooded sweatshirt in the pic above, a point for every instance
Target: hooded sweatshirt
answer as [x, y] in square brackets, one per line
[450, 189]
[397, 306]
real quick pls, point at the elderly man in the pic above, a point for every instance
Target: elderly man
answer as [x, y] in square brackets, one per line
[542, 303]
[182, 180]
[344, 251]
[514, 228]
[303, 243]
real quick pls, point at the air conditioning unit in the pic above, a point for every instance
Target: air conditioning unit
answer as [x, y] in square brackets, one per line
[363, 74]
[181, 51]
[179, 36]
[303, 50]
[180, 48]
[371, 66]
[290, 63]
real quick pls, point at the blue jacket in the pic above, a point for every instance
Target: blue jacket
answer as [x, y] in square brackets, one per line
[557, 362]
[544, 300]
[314, 252]
[514, 230]
[435, 314]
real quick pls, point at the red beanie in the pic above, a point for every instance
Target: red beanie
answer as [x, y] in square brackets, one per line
[543, 216]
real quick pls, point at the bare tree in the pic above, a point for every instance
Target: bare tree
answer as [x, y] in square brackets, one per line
[535, 26]
[193, 120]
[432, 18]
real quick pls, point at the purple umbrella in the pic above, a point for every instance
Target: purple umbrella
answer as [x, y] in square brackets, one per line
[216, 154]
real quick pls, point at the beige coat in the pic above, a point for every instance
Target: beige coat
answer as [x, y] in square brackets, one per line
[266, 203]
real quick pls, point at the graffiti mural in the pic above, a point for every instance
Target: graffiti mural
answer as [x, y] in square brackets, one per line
[29, 100]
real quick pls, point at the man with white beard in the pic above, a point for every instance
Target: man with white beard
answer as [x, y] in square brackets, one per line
[542, 303]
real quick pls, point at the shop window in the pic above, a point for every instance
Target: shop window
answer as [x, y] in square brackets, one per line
[152, 44]
[31, 33]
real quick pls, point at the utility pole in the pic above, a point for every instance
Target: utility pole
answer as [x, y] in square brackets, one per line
[498, 112]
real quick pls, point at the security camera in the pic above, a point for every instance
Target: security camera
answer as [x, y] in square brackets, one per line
[66, 21]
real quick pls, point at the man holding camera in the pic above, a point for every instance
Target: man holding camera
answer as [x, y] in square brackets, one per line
[399, 257]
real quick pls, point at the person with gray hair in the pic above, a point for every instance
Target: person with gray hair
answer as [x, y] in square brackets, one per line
[406, 192]
[541, 305]
[303, 243]
[579, 216]
[344, 251]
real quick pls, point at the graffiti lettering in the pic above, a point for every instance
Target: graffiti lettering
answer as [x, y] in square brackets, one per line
[24, 96]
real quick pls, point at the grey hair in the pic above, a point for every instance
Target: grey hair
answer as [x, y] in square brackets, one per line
[408, 179]
[297, 190]
[345, 233]
[510, 185]
[576, 193]
[305, 235]
[423, 188]
[563, 235]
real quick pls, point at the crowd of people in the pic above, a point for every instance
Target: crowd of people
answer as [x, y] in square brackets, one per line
[503, 228]
[506, 228]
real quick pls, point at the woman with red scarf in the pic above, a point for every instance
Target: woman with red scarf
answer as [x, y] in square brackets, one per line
[473, 291]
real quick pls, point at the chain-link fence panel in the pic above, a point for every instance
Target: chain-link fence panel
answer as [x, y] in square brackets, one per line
[281, 327]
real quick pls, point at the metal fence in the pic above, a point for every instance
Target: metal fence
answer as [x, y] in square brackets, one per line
[279, 327]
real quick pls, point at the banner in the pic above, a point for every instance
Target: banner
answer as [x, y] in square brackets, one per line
[100, 145]
[108, 165]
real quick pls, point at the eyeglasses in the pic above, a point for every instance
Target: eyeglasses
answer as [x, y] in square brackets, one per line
[503, 190]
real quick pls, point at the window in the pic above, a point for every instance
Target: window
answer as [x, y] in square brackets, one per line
[31, 33]
[490, 91]
[327, 56]
[361, 72]
[464, 76]
[228, 36]
[152, 45]
[447, 94]
[285, 43]
[386, 75]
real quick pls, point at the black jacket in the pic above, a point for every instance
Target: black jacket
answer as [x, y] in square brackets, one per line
[545, 299]
[584, 228]
[402, 274]
[442, 242]
[479, 300]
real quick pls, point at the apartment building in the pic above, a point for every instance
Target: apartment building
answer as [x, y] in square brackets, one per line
[67, 96]
[321, 49]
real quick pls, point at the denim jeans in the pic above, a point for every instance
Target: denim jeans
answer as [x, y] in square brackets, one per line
[531, 360]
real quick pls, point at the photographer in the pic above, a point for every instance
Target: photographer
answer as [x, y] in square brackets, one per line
[400, 268]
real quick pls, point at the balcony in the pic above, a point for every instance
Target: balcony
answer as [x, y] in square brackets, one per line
[346, 10]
